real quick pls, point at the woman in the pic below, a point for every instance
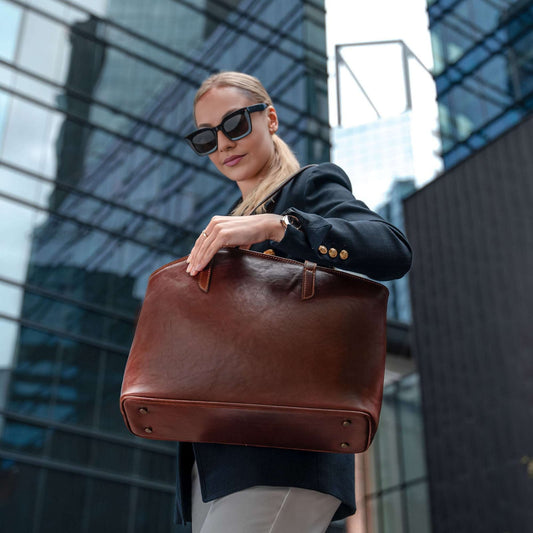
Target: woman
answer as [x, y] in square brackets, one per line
[237, 489]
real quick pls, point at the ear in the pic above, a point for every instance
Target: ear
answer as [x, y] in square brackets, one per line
[272, 118]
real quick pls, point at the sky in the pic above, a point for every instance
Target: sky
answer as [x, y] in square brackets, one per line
[355, 21]
[379, 70]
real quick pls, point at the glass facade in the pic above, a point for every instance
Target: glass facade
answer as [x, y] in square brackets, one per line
[483, 56]
[396, 484]
[399, 303]
[98, 189]
[374, 154]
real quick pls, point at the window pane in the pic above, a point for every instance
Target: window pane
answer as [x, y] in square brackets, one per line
[521, 65]
[388, 442]
[19, 483]
[109, 417]
[373, 517]
[29, 137]
[16, 225]
[54, 378]
[418, 508]
[157, 466]
[69, 448]
[495, 80]
[111, 457]
[412, 432]
[9, 331]
[10, 16]
[109, 510]
[22, 438]
[98, 7]
[371, 469]
[456, 43]
[32, 55]
[63, 502]
[154, 512]
[392, 513]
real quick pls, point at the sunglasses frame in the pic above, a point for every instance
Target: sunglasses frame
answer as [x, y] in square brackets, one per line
[246, 113]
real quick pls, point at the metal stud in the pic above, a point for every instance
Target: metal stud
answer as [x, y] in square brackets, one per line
[149, 430]
[344, 445]
[143, 410]
[346, 423]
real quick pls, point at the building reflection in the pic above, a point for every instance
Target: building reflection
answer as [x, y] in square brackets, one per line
[112, 93]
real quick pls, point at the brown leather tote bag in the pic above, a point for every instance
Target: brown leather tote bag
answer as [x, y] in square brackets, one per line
[258, 350]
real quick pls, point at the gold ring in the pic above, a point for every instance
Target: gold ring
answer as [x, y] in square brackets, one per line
[205, 234]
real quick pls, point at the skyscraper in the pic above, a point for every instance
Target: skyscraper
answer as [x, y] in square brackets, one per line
[472, 234]
[97, 189]
[471, 292]
[483, 70]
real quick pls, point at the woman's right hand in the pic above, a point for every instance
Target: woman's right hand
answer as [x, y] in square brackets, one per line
[232, 231]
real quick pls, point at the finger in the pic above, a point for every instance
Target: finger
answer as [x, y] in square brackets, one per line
[216, 240]
[205, 259]
[206, 246]
[202, 259]
[196, 249]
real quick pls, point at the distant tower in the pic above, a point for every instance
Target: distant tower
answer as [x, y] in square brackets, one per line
[386, 116]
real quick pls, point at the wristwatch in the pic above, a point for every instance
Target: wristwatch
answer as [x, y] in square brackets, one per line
[290, 220]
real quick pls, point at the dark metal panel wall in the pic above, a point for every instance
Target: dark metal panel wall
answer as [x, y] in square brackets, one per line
[472, 295]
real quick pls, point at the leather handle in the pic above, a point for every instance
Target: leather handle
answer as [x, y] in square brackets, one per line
[204, 277]
[308, 279]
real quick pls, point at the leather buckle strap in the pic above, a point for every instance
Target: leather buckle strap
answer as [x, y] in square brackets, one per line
[308, 281]
[204, 277]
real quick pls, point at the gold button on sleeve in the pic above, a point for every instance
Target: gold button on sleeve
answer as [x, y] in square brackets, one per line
[332, 253]
[322, 249]
[269, 252]
[343, 254]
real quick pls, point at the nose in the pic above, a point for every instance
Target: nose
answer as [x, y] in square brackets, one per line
[223, 142]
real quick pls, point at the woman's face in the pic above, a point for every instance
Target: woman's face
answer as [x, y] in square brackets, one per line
[246, 161]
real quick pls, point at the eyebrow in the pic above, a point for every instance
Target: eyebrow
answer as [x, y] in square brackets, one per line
[228, 113]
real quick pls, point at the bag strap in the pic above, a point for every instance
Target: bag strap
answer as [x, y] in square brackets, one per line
[279, 187]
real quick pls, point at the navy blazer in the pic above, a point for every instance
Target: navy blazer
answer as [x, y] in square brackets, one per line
[335, 230]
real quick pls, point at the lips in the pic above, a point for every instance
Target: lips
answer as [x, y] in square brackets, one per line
[232, 160]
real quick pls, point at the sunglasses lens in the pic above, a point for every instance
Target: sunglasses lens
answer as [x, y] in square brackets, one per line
[204, 141]
[237, 125]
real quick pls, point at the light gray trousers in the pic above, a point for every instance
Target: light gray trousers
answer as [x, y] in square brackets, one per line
[262, 510]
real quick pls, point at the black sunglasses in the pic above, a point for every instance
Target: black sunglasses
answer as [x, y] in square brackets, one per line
[235, 126]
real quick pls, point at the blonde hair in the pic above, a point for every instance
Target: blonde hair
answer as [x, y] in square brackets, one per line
[284, 162]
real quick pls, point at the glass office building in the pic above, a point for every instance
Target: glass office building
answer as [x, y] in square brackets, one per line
[97, 189]
[399, 303]
[472, 289]
[483, 56]
[396, 492]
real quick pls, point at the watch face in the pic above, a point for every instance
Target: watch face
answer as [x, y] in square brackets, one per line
[292, 221]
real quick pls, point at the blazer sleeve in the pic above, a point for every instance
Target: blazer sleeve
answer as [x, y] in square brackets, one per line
[336, 230]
